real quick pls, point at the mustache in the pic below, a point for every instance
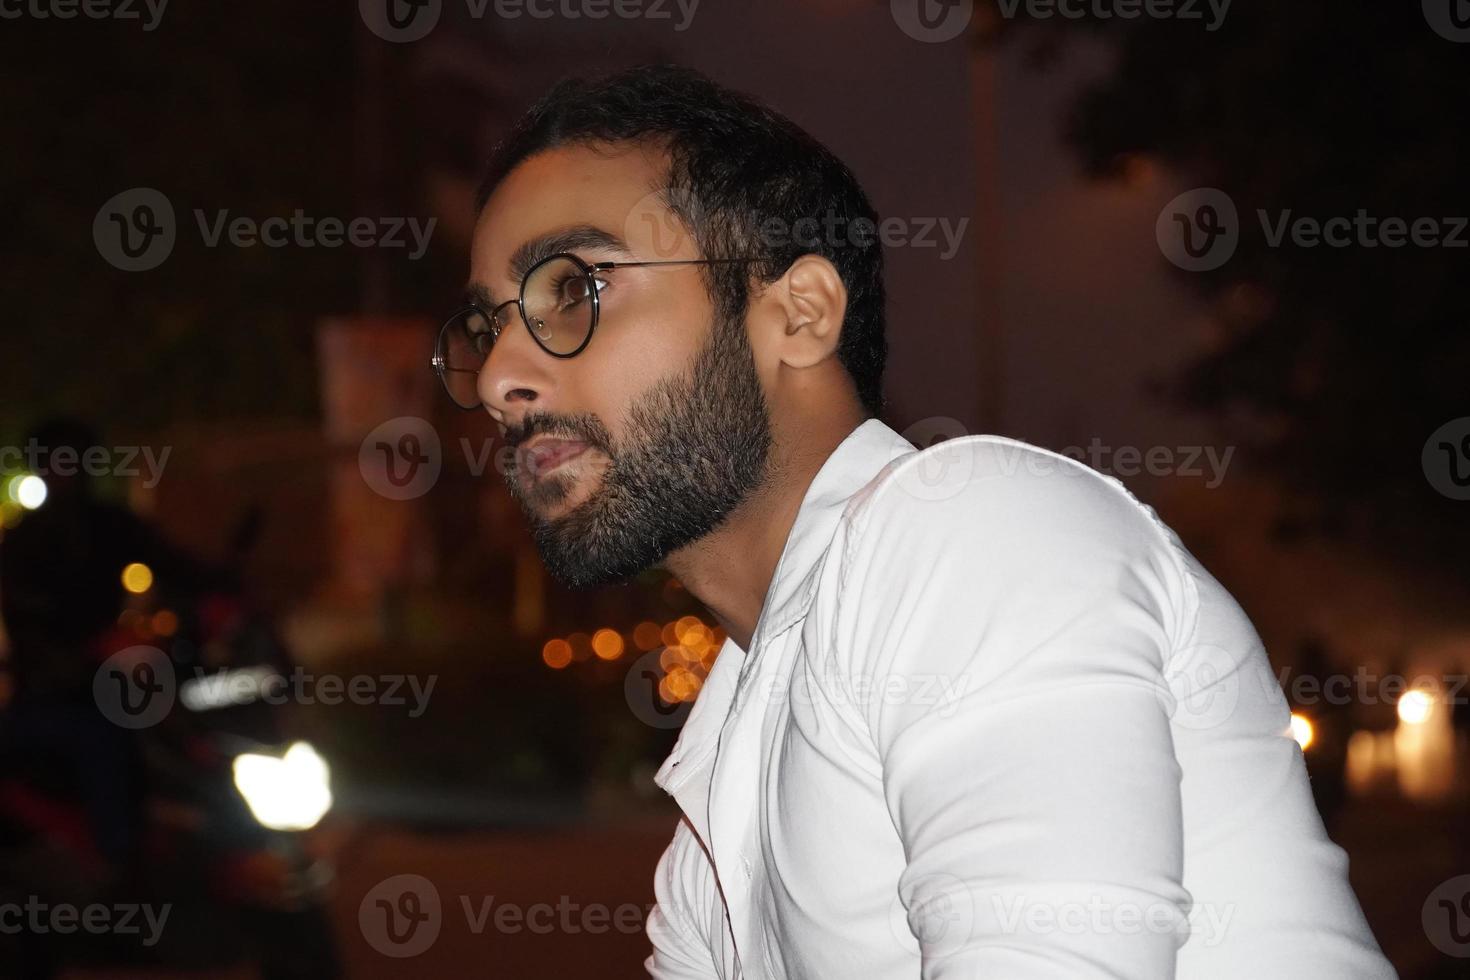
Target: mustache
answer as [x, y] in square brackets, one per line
[586, 429]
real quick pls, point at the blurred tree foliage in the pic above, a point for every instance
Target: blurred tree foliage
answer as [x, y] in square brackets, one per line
[246, 109]
[1332, 365]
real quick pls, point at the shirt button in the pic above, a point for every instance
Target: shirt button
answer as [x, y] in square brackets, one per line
[745, 864]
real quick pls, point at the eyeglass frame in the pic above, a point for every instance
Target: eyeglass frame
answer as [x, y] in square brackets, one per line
[589, 269]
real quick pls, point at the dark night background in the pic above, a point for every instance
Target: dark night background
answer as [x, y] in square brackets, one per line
[1331, 374]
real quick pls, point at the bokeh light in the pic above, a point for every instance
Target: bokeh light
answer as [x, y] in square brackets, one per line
[1415, 707]
[165, 622]
[607, 644]
[557, 653]
[29, 491]
[647, 636]
[137, 577]
[1302, 731]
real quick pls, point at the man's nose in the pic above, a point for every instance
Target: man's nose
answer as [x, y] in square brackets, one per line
[517, 374]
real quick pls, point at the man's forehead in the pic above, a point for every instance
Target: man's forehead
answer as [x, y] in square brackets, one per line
[574, 183]
[603, 197]
[617, 189]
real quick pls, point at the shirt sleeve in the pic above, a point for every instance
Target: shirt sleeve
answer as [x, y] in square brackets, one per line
[1035, 788]
[678, 925]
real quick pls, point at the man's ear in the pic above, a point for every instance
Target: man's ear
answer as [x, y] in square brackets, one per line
[811, 302]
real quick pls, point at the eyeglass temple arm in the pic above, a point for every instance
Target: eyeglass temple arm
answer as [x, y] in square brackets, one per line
[600, 266]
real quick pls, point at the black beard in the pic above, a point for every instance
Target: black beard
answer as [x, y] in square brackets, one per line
[698, 445]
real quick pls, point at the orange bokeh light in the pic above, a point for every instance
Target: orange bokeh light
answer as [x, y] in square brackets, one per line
[165, 622]
[557, 653]
[607, 644]
[647, 636]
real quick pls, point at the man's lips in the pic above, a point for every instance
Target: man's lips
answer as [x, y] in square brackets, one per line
[546, 454]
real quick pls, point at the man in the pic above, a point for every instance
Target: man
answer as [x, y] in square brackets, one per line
[979, 714]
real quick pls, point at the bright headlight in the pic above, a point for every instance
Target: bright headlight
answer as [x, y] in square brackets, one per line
[290, 792]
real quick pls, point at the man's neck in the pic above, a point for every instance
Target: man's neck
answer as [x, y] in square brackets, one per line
[730, 569]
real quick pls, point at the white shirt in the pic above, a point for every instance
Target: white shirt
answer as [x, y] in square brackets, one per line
[995, 722]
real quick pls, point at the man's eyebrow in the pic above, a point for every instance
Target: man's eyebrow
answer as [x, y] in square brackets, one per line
[565, 240]
[477, 294]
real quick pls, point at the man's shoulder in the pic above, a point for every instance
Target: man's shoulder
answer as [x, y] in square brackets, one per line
[987, 483]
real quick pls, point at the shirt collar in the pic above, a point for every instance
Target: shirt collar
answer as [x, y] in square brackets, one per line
[853, 464]
[856, 461]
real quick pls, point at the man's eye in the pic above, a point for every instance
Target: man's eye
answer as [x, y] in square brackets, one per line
[574, 291]
[482, 336]
[484, 341]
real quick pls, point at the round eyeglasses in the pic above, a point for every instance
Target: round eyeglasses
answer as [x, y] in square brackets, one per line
[559, 303]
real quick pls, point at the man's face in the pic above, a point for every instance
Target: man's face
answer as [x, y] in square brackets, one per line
[646, 440]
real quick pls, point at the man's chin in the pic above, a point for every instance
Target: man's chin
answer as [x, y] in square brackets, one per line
[572, 564]
[551, 496]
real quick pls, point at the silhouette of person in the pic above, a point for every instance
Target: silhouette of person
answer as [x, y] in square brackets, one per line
[60, 590]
